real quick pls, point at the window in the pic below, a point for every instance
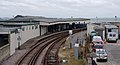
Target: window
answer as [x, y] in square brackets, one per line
[36, 27]
[32, 27]
[98, 42]
[29, 28]
[98, 46]
[110, 35]
[114, 35]
[101, 52]
[23, 29]
[109, 30]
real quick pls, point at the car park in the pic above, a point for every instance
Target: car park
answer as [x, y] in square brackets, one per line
[101, 54]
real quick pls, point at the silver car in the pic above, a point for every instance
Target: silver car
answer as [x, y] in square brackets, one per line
[101, 54]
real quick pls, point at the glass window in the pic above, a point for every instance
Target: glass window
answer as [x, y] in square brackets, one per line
[114, 30]
[98, 46]
[98, 42]
[100, 52]
[29, 28]
[36, 27]
[32, 27]
[110, 35]
[109, 30]
[23, 29]
[114, 35]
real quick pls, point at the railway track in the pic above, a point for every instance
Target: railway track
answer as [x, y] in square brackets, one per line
[45, 51]
[51, 57]
[36, 51]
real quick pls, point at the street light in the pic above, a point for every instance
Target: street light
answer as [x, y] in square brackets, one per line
[115, 18]
[96, 19]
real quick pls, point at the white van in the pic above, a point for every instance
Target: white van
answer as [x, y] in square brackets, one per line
[112, 36]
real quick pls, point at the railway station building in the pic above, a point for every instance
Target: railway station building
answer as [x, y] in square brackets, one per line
[16, 31]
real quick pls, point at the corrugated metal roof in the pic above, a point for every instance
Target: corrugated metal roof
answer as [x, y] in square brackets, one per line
[19, 24]
[110, 26]
[99, 28]
[5, 29]
[44, 19]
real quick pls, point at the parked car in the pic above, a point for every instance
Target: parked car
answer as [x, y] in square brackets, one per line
[93, 33]
[101, 54]
[96, 38]
[98, 43]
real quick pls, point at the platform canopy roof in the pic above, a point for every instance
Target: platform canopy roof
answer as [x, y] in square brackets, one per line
[99, 27]
[5, 29]
[4, 24]
[20, 18]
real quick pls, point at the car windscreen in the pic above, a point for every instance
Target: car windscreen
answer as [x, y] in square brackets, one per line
[97, 39]
[98, 46]
[98, 42]
[100, 52]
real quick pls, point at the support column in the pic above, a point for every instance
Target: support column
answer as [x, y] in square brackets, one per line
[40, 29]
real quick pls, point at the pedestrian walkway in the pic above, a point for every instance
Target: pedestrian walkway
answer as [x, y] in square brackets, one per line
[78, 37]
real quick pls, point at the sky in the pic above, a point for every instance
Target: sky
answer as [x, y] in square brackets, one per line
[60, 8]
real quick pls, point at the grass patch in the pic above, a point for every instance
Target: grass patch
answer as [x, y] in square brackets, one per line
[73, 61]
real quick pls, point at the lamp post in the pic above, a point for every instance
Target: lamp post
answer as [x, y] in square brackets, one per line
[96, 19]
[18, 38]
[115, 18]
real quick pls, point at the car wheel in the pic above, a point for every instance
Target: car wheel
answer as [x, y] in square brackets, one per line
[106, 60]
[116, 41]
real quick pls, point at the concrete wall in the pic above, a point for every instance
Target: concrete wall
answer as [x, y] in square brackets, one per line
[43, 29]
[13, 43]
[26, 33]
[29, 32]
[4, 51]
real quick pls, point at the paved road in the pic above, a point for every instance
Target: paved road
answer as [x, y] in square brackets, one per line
[113, 50]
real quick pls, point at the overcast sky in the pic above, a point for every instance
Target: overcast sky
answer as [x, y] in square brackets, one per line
[60, 8]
